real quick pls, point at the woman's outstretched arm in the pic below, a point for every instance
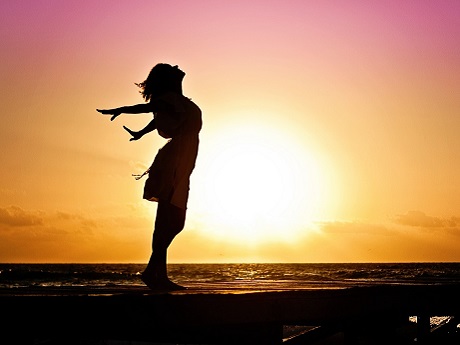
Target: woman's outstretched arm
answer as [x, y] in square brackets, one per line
[130, 109]
[139, 134]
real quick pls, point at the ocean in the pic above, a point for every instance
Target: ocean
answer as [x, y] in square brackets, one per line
[289, 276]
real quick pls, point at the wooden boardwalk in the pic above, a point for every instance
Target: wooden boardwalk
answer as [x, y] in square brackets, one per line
[361, 315]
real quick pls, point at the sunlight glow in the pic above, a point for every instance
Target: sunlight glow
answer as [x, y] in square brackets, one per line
[259, 185]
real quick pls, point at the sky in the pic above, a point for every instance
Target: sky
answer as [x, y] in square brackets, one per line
[331, 129]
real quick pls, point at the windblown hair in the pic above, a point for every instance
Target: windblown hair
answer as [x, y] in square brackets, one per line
[161, 79]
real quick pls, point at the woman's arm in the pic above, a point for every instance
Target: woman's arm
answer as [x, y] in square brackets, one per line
[130, 109]
[147, 129]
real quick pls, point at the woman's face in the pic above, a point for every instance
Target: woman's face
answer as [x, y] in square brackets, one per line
[179, 72]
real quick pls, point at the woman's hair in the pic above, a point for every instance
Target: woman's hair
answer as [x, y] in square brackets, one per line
[161, 79]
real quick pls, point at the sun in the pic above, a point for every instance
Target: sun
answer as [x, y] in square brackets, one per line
[257, 184]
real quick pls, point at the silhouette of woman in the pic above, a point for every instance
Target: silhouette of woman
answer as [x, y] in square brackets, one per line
[178, 119]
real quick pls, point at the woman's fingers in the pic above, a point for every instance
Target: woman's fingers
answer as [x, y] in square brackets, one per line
[135, 135]
[109, 112]
[104, 111]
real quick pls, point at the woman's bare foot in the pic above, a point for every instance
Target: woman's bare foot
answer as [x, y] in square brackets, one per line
[160, 285]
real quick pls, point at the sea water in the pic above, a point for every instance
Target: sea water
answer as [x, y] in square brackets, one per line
[287, 275]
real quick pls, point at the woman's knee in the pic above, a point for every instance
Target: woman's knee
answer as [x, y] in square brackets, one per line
[174, 216]
[170, 221]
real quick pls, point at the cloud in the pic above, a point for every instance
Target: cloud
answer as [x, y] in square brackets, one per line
[420, 219]
[40, 222]
[16, 217]
[138, 166]
[353, 228]
[57, 236]
[80, 221]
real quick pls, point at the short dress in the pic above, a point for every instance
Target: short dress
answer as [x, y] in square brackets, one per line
[169, 175]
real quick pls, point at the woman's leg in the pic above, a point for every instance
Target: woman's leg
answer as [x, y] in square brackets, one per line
[169, 222]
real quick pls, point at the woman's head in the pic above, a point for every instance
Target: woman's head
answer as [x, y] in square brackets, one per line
[162, 78]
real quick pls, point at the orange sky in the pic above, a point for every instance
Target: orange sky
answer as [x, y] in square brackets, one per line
[331, 130]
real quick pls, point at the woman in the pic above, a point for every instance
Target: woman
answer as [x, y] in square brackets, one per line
[178, 119]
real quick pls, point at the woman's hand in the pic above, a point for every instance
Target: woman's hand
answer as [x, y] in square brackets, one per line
[135, 135]
[114, 112]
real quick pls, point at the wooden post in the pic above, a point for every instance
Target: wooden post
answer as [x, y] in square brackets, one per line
[423, 328]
